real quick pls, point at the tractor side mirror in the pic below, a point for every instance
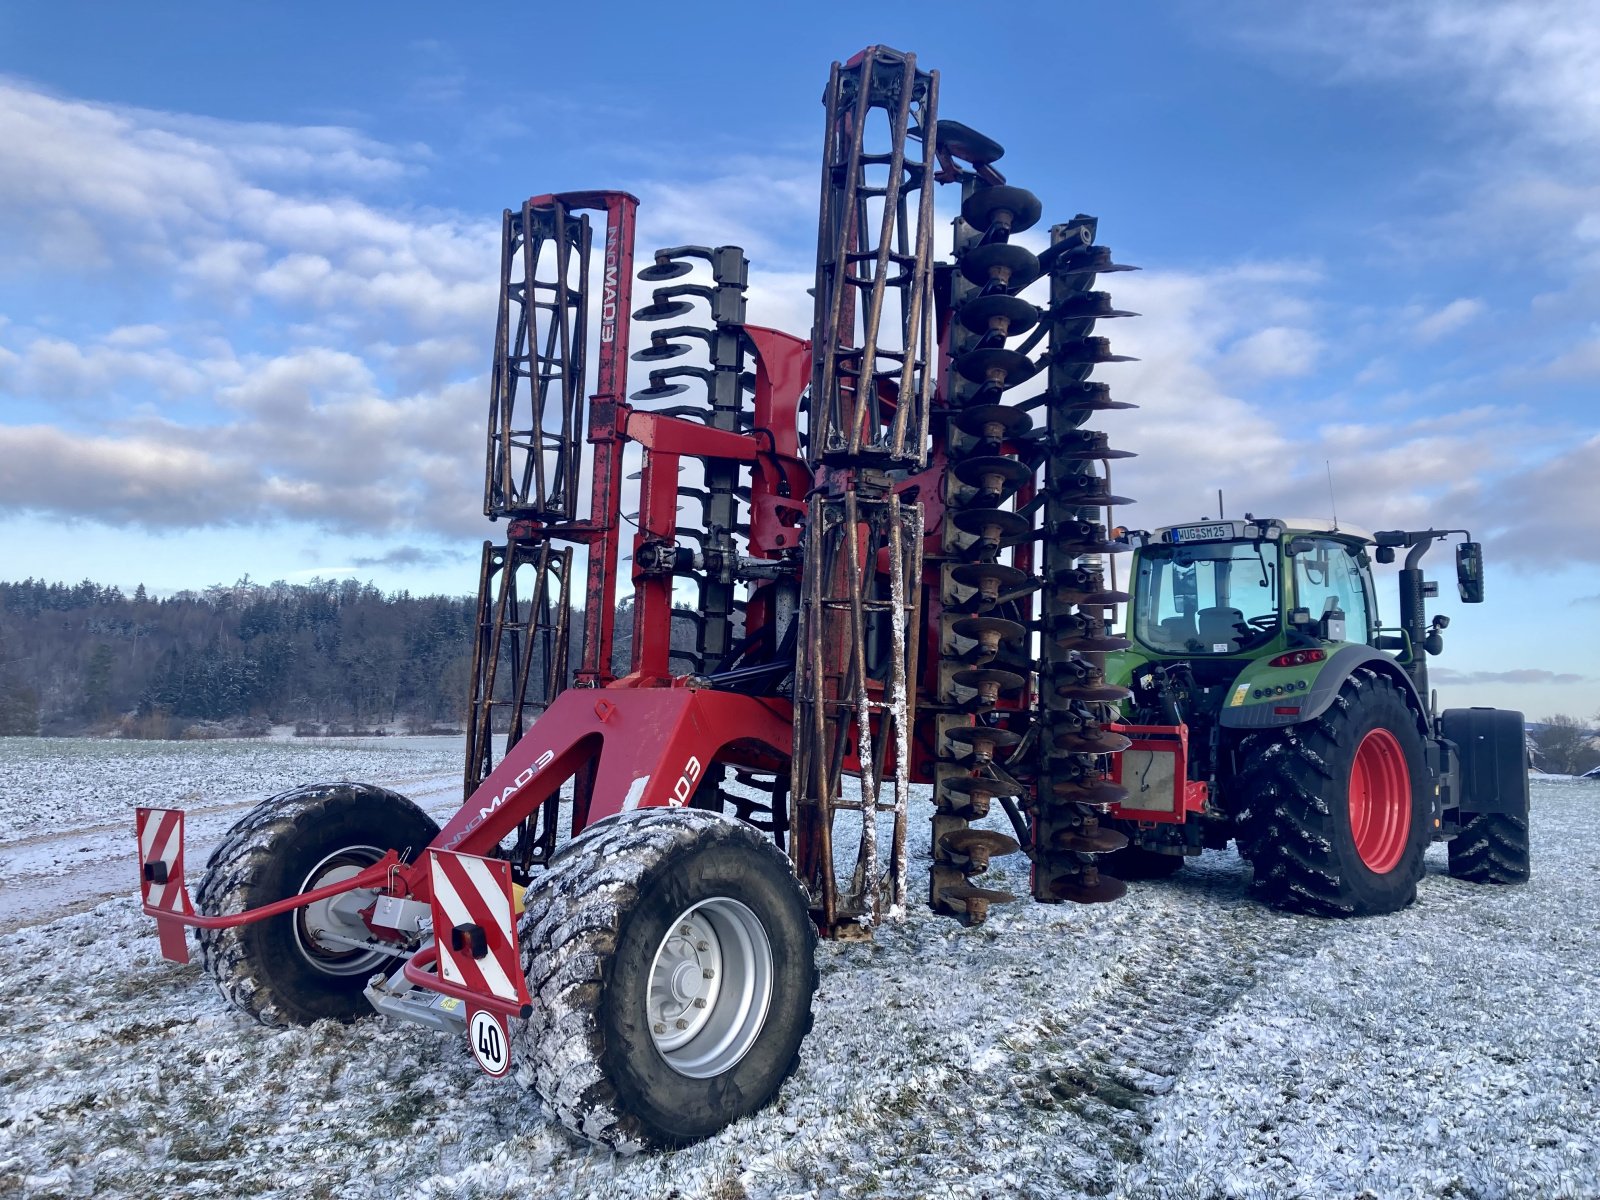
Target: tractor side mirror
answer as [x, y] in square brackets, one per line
[1469, 572]
[1301, 545]
[1386, 554]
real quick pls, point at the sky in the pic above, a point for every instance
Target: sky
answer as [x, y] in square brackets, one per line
[248, 258]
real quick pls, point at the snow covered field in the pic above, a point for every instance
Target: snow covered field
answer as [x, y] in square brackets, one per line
[1182, 1043]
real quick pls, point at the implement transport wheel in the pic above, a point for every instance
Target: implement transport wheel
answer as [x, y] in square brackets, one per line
[1338, 808]
[671, 961]
[289, 969]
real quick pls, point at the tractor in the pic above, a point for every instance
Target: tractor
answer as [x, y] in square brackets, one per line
[1271, 708]
[859, 559]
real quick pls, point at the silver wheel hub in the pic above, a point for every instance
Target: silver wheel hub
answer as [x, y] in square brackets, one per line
[338, 916]
[710, 987]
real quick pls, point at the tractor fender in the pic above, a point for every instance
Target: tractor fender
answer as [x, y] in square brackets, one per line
[1241, 713]
[1492, 749]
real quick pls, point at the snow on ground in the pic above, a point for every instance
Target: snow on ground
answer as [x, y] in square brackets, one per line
[1181, 1043]
[66, 805]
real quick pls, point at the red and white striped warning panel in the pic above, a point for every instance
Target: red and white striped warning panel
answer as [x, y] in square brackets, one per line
[160, 834]
[474, 925]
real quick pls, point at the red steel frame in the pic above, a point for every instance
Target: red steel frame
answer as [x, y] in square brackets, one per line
[644, 740]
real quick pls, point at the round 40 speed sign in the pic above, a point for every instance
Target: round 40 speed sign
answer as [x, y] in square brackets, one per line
[490, 1042]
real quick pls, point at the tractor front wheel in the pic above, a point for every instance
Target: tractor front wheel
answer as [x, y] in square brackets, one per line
[1337, 812]
[301, 967]
[671, 961]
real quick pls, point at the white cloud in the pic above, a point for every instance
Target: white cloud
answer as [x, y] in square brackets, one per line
[1275, 352]
[1453, 316]
[1535, 62]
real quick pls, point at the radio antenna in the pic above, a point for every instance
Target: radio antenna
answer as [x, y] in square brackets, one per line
[1219, 505]
[1333, 505]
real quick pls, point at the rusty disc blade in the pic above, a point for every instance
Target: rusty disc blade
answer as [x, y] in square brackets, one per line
[1088, 306]
[663, 269]
[663, 311]
[1019, 315]
[1088, 350]
[976, 627]
[1089, 394]
[659, 391]
[660, 350]
[1085, 444]
[1085, 644]
[999, 525]
[1091, 841]
[1094, 693]
[969, 785]
[1022, 264]
[960, 892]
[971, 735]
[973, 575]
[1098, 794]
[992, 422]
[1091, 599]
[979, 472]
[1089, 888]
[987, 842]
[963, 142]
[1088, 497]
[1099, 741]
[1012, 366]
[976, 677]
[980, 208]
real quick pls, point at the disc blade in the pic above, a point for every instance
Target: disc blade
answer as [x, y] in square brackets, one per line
[1089, 887]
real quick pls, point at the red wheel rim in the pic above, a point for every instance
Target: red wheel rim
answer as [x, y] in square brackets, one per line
[1380, 801]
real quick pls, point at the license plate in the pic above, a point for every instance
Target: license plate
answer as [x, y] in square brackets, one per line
[1202, 533]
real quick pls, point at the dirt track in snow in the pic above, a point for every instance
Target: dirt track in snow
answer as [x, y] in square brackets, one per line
[1182, 1043]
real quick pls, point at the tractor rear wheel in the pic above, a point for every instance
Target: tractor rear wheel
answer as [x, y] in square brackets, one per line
[671, 961]
[1338, 810]
[1492, 848]
[289, 969]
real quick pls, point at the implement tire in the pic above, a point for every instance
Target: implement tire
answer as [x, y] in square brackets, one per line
[276, 970]
[618, 937]
[1337, 810]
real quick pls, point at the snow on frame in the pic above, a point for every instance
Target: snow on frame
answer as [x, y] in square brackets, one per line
[1183, 1042]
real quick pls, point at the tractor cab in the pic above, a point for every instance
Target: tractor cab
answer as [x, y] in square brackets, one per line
[1219, 603]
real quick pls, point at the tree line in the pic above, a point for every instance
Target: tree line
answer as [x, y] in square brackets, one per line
[80, 657]
[89, 658]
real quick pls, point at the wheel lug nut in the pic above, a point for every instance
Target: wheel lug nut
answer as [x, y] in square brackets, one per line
[699, 1001]
[708, 973]
[702, 946]
[684, 930]
[659, 1027]
[681, 1023]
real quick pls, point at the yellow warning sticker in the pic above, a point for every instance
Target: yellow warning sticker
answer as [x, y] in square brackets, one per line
[449, 1003]
[1239, 695]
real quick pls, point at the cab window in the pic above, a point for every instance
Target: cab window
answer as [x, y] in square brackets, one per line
[1206, 598]
[1327, 577]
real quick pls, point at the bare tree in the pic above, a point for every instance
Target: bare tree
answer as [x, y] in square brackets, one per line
[1566, 745]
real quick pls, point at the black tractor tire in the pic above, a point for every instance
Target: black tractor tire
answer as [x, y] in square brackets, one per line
[595, 925]
[1491, 848]
[1134, 863]
[1295, 825]
[273, 970]
[1492, 843]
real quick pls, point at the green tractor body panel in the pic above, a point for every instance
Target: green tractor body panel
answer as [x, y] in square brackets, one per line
[1268, 697]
